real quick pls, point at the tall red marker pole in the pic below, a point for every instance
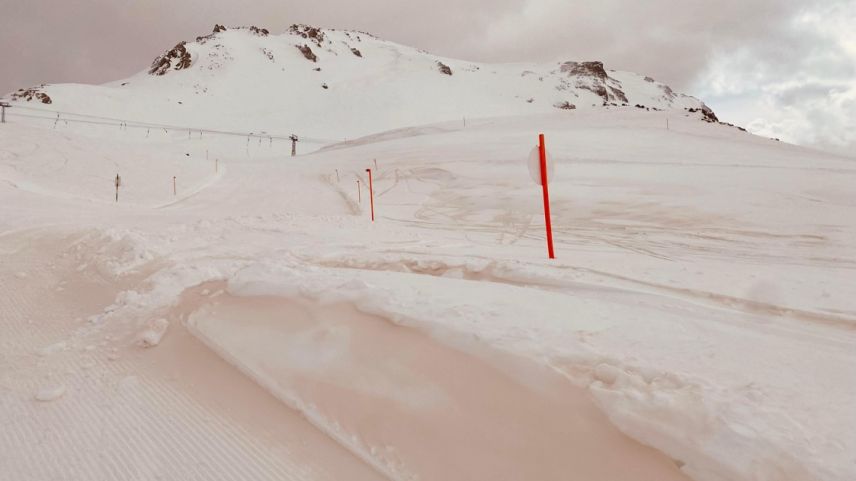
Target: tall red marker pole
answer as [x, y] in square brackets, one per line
[542, 150]
[371, 192]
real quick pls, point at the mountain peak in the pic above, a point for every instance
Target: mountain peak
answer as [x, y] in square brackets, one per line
[329, 83]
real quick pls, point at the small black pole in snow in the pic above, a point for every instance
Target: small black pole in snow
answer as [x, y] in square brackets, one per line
[667, 123]
[174, 192]
[359, 192]
[3, 106]
[293, 145]
[118, 182]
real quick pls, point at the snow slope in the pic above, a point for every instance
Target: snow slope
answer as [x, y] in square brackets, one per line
[238, 80]
[698, 323]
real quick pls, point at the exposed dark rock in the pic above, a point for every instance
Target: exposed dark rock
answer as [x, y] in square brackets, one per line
[599, 90]
[649, 80]
[592, 76]
[324, 86]
[444, 68]
[706, 113]
[219, 28]
[356, 52]
[734, 126]
[530, 100]
[585, 69]
[313, 34]
[261, 32]
[307, 52]
[668, 93]
[178, 58]
[565, 105]
[32, 93]
[618, 95]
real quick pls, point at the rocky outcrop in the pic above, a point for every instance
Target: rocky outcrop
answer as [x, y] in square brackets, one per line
[593, 77]
[565, 105]
[356, 52]
[176, 59]
[261, 32]
[444, 69]
[32, 93]
[585, 69]
[706, 112]
[313, 34]
[307, 52]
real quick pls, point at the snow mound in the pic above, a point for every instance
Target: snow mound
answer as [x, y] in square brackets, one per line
[50, 393]
[154, 332]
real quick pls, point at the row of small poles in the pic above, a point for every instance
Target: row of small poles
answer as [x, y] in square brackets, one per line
[117, 182]
[360, 190]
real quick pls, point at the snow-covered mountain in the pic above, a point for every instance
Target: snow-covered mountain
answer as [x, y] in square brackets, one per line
[334, 84]
[181, 304]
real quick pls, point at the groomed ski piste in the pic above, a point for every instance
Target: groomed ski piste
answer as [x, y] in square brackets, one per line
[250, 321]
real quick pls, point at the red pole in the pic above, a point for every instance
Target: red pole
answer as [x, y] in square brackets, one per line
[543, 152]
[371, 192]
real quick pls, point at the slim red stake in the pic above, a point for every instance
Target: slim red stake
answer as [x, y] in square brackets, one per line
[543, 153]
[371, 192]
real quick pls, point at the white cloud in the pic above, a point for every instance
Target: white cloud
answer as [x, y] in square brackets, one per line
[799, 86]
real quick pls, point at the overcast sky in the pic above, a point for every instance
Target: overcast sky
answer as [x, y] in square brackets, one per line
[783, 68]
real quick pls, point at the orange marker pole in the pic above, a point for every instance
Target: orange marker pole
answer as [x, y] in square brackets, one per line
[371, 192]
[543, 154]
